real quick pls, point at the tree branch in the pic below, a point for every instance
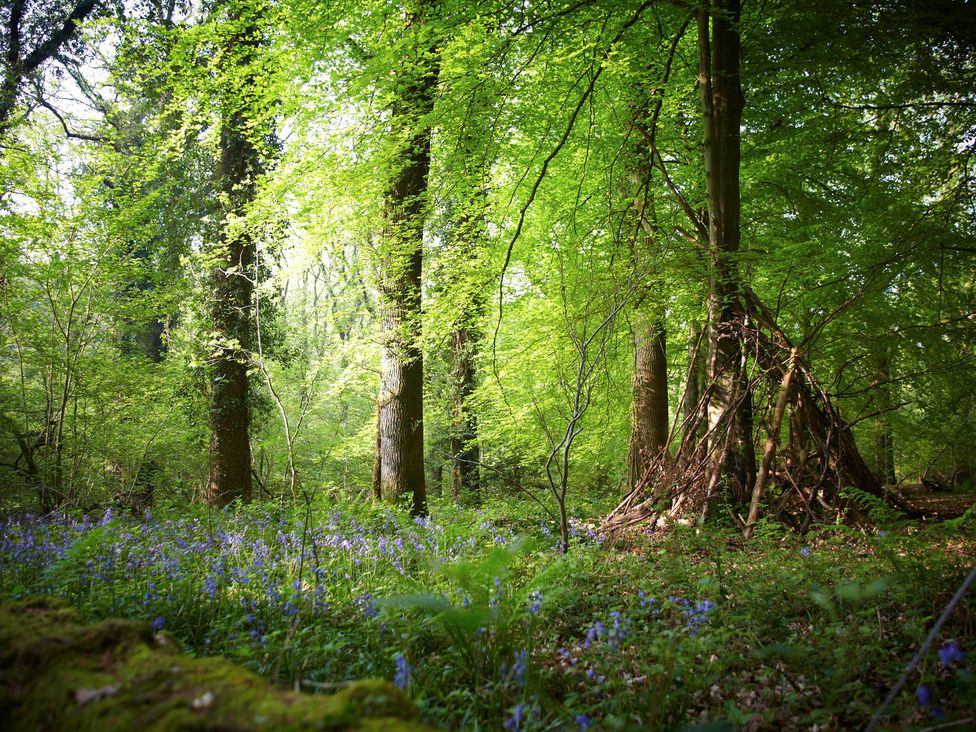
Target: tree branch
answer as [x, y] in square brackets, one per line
[67, 132]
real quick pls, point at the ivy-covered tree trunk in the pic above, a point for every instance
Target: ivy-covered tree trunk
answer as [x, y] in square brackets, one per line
[649, 406]
[231, 309]
[722, 103]
[401, 422]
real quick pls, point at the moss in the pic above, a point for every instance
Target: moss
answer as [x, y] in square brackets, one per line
[59, 674]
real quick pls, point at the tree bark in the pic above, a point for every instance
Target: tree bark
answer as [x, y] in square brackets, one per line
[649, 405]
[401, 448]
[722, 104]
[465, 450]
[693, 386]
[231, 310]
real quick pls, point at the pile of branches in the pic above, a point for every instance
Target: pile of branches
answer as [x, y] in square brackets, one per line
[820, 458]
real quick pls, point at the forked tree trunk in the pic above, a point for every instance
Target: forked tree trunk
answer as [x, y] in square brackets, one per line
[401, 424]
[231, 311]
[649, 405]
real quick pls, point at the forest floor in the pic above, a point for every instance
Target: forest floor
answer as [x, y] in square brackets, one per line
[476, 615]
[937, 505]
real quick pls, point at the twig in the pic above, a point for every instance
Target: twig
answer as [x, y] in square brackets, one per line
[896, 689]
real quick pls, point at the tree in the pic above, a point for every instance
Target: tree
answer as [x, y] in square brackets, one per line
[25, 47]
[242, 123]
[401, 413]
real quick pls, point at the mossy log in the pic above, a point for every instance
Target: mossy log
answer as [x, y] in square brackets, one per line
[56, 673]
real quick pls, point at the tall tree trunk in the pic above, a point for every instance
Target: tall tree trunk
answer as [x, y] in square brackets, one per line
[401, 447]
[722, 104]
[465, 450]
[231, 311]
[649, 405]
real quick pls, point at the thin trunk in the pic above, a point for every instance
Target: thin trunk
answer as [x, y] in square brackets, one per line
[649, 417]
[376, 486]
[884, 444]
[694, 386]
[401, 448]
[884, 439]
[231, 311]
[465, 450]
[437, 479]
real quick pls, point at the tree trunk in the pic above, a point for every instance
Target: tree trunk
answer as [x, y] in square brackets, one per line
[231, 310]
[884, 439]
[693, 385]
[401, 447]
[649, 406]
[465, 450]
[722, 104]
[376, 487]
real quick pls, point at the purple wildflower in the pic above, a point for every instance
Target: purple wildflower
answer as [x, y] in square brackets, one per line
[514, 723]
[403, 672]
[923, 695]
[951, 654]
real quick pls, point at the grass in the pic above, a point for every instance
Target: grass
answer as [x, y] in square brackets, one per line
[476, 615]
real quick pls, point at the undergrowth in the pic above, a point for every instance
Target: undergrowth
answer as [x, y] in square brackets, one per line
[480, 619]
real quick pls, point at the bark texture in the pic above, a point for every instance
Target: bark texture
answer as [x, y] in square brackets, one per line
[231, 310]
[649, 405]
[729, 406]
[401, 424]
[693, 382]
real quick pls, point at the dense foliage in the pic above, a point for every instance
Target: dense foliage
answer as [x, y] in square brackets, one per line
[710, 263]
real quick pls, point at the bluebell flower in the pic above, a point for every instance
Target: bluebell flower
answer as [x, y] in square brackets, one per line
[535, 600]
[583, 721]
[518, 717]
[159, 623]
[805, 552]
[520, 667]
[923, 695]
[951, 654]
[403, 672]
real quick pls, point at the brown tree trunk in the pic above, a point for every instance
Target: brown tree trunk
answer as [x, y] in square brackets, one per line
[231, 311]
[401, 447]
[693, 386]
[649, 405]
[884, 440]
[377, 487]
[722, 104]
[465, 450]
